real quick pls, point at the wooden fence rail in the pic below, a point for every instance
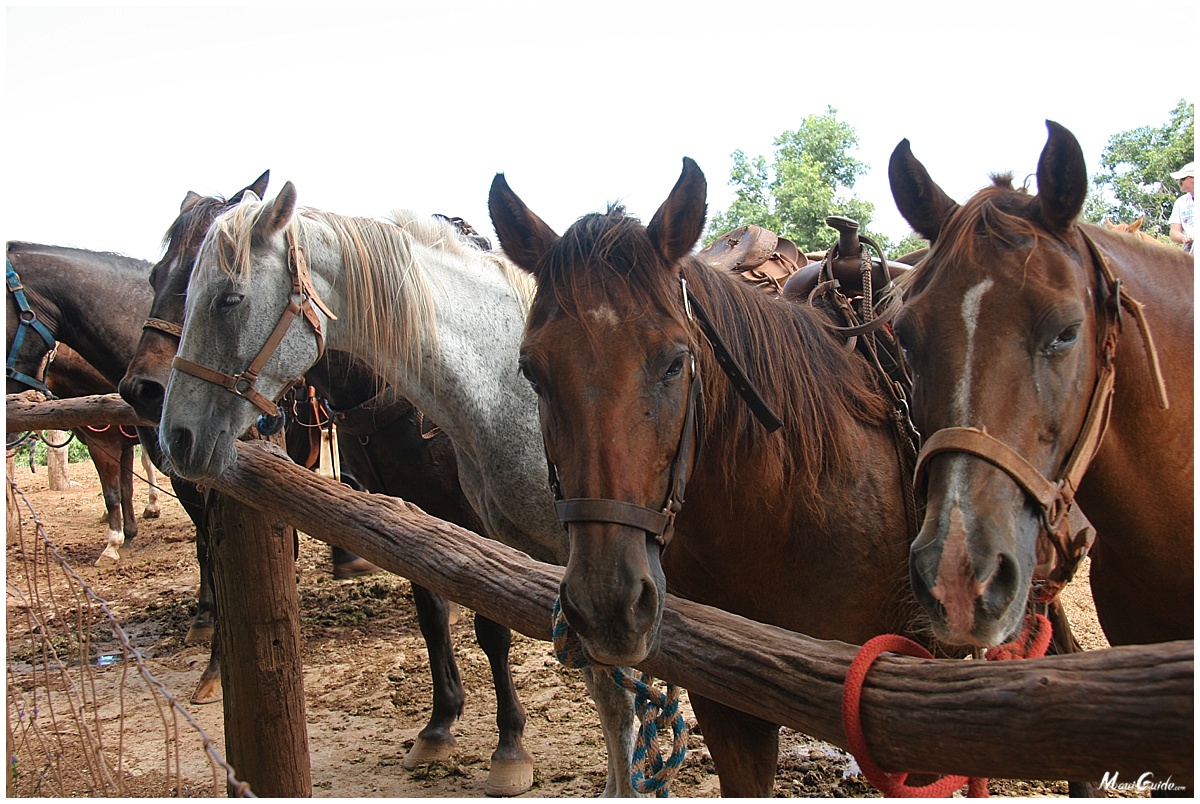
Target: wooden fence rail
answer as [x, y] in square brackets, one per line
[1122, 710]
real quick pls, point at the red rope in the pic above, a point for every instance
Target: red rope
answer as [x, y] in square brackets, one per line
[1031, 643]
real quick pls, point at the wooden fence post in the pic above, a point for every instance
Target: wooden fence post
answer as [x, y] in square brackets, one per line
[254, 579]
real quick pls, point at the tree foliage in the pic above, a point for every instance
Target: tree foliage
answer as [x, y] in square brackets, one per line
[811, 177]
[1134, 179]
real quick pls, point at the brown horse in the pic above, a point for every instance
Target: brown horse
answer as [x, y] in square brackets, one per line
[1015, 324]
[1134, 228]
[111, 449]
[803, 528]
[386, 446]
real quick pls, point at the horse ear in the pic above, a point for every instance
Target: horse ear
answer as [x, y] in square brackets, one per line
[1062, 179]
[524, 237]
[189, 201]
[920, 200]
[1136, 226]
[276, 214]
[679, 222]
[258, 188]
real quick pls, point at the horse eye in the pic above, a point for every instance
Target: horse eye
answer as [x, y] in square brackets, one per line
[674, 370]
[1065, 338]
[228, 300]
[533, 383]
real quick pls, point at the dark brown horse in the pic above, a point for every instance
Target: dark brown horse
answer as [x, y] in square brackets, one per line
[1017, 324]
[804, 528]
[387, 447]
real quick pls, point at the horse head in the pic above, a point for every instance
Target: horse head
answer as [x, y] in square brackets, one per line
[145, 379]
[608, 349]
[1000, 327]
[253, 327]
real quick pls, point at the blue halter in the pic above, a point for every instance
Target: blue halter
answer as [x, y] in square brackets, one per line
[27, 320]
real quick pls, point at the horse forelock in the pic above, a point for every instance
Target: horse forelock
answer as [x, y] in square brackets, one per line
[996, 219]
[606, 259]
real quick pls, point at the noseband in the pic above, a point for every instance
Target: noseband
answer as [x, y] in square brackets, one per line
[26, 320]
[660, 523]
[1055, 498]
[301, 301]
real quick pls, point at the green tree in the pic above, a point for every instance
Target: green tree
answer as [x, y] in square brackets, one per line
[811, 177]
[1134, 179]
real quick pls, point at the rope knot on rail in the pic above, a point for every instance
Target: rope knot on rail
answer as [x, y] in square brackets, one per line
[657, 712]
[1031, 643]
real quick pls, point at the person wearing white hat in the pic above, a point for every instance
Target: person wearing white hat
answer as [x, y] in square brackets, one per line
[1183, 214]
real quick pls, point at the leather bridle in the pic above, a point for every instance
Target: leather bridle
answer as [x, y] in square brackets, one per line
[660, 522]
[301, 302]
[26, 320]
[1054, 498]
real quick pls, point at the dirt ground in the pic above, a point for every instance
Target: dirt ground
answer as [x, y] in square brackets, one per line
[367, 676]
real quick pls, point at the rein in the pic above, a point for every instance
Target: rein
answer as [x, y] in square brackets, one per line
[1055, 497]
[26, 320]
[301, 301]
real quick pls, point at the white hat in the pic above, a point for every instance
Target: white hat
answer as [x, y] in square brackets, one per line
[1187, 170]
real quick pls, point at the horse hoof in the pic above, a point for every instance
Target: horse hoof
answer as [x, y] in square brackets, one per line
[428, 751]
[509, 777]
[152, 513]
[354, 569]
[109, 552]
[128, 542]
[198, 634]
[208, 691]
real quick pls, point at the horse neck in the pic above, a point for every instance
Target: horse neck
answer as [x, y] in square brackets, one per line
[465, 379]
[94, 303]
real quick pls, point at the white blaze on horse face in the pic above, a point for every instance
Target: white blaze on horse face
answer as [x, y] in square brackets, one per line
[605, 316]
[971, 304]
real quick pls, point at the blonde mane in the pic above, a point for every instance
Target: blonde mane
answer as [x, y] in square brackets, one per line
[389, 307]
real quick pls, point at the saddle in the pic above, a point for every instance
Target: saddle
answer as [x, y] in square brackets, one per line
[758, 255]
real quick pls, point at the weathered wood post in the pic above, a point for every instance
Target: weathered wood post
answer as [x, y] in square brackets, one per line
[254, 579]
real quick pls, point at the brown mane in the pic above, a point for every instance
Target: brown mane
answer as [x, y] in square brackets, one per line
[823, 394]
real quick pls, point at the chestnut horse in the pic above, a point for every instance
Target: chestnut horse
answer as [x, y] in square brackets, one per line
[805, 528]
[387, 447]
[1016, 324]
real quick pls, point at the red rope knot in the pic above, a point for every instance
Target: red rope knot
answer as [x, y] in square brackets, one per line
[1031, 643]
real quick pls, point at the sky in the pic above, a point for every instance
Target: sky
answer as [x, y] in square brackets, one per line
[112, 114]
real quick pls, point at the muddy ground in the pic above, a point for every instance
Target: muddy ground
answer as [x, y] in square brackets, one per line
[366, 676]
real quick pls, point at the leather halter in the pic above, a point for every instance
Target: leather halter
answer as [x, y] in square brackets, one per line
[660, 523]
[26, 320]
[301, 301]
[1055, 498]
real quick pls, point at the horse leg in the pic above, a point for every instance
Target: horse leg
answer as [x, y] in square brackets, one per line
[128, 519]
[153, 509]
[208, 689]
[512, 766]
[109, 470]
[1063, 642]
[744, 748]
[614, 705]
[203, 623]
[436, 742]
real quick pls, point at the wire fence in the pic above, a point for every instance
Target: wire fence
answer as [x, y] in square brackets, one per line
[86, 717]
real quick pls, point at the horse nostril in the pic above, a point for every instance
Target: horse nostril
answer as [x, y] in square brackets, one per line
[1000, 590]
[645, 607]
[179, 443]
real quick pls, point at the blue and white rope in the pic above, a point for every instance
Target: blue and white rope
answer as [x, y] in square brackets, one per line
[658, 713]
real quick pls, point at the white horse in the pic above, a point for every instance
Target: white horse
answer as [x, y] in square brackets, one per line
[437, 319]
